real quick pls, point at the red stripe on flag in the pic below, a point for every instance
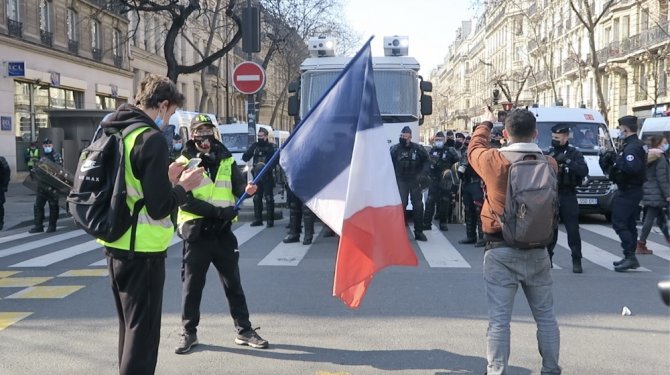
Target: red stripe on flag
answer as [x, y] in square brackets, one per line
[372, 239]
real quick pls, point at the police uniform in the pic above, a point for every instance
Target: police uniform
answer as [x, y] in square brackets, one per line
[4, 182]
[205, 225]
[410, 162]
[571, 171]
[627, 170]
[441, 158]
[473, 199]
[298, 212]
[260, 153]
[46, 194]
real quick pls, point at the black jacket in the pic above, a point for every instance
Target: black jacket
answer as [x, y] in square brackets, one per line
[572, 167]
[631, 164]
[5, 173]
[410, 161]
[657, 187]
[149, 161]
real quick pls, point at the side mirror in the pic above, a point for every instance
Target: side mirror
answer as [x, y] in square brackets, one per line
[293, 87]
[426, 86]
[664, 289]
[426, 105]
[293, 105]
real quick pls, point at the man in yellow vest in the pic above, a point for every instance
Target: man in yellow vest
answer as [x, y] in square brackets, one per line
[204, 223]
[31, 155]
[138, 275]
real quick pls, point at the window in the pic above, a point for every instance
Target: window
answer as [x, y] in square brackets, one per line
[625, 27]
[46, 13]
[641, 83]
[623, 90]
[615, 30]
[96, 39]
[116, 43]
[13, 10]
[108, 102]
[72, 24]
[644, 19]
[147, 31]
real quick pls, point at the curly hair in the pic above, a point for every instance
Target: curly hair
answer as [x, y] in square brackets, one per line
[154, 89]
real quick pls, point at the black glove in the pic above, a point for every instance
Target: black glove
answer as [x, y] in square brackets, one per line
[226, 213]
[423, 180]
[560, 157]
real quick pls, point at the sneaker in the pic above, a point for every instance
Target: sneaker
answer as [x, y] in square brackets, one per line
[250, 337]
[187, 341]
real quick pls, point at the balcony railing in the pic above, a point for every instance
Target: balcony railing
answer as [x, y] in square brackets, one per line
[47, 38]
[118, 61]
[97, 54]
[637, 42]
[73, 46]
[15, 28]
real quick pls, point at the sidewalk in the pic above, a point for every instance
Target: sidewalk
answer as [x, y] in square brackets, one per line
[20, 201]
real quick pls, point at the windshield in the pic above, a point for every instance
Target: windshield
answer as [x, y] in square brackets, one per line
[235, 142]
[587, 137]
[397, 92]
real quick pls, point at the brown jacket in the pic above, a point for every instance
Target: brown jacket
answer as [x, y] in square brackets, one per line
[493, 168]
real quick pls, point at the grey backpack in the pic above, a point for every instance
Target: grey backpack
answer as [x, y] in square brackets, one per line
[531, 204]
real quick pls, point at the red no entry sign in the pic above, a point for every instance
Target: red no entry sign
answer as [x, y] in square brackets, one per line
[248, 77]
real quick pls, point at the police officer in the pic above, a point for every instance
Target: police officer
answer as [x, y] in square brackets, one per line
[261, 152]
[410, 161]
[627, 170]
[571, 171]
[5, 173]
[473, 199]
[298, 212]
[441, 158]
[177, 147]
[205, 225]
[46, 194]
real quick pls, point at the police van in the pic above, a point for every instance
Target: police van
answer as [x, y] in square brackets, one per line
[655, 126]
[236, 138]
[589, 134]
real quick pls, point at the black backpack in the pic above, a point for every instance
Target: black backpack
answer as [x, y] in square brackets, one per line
[97, 201]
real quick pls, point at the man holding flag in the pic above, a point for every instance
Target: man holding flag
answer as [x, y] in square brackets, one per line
[348, 179]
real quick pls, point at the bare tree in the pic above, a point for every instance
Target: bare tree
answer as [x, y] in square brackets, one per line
[589, 18]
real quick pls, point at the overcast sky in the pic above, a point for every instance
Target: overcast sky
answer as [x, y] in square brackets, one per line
[430, 25]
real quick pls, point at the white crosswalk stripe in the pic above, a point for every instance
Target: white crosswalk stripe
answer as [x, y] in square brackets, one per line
[660, 250]
[60, 255]
[18, 236]
[40, 243]
[439, 252]
[289, 254]
[594, 254]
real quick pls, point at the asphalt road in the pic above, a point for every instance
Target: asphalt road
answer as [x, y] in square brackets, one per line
[57, 315]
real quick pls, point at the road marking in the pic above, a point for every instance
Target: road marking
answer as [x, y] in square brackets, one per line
[439, 254]
[289, 254]
[594, 254]
[40, 243]
[18, 236]
[15, 282]
[660, 250]
[85, 273]
[60, 291]
[246, 232]
[9, 318]
[4, 274]
[60, 255]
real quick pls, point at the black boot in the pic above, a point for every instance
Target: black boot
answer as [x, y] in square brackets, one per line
[419, 236]
[443, 227]
[629, 263]
[271, 214]
[258, 215]
[427, 226]
[468, 240]
[576, 265]
[308, 218]
[291, 238]
[38, 221]
[618, 262]
[53, 217]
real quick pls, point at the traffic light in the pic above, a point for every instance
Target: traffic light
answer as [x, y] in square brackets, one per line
[496, 96]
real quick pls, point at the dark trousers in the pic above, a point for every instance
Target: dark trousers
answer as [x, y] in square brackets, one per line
[2, 208]
[221, 251]
[473, 198]
[568, 211]
[624, 213]
[437, 200]
[412, 189]
[265, 191]
[40, 200]
[654, 213]
[137, 286]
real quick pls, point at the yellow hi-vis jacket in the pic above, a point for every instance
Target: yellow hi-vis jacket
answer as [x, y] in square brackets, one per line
[218, 192]
[152, 235]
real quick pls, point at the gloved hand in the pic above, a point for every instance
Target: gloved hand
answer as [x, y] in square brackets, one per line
[424, 181]
[226, 213]
[560, 158]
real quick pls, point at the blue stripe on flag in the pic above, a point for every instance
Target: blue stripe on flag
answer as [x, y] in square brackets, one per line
[322, 144]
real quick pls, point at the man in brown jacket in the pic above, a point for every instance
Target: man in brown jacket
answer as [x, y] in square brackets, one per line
[506, 267]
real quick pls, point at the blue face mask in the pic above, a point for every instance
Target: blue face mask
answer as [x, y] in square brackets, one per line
[159, 120]
[666, 147]
[47, 150]
[439, 144]
[177, 146]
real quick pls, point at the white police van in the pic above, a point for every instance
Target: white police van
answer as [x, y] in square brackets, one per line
[655, 126]
[589, 134]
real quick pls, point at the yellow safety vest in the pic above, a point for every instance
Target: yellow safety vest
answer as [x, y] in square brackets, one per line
[152, 235]
[33, 157]
[218, 192]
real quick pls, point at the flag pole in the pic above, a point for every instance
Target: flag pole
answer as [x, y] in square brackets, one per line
[295, 129]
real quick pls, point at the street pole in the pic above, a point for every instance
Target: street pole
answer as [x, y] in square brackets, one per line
[251, 104]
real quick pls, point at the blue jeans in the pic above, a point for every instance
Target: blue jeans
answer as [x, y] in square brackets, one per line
[504, 269]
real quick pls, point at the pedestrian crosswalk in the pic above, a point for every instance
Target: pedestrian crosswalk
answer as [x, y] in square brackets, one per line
[26, 251]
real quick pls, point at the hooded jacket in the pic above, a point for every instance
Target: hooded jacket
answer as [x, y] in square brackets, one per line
[657, 186]
[149, 161]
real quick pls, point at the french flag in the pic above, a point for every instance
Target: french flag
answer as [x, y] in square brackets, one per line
[338, 163]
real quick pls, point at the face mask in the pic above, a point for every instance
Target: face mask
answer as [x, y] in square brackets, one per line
[622, 135]
[439, 144]
[450, 142]
[200, 141]
[555, 143]
[177, 146]
[458, 144]
[666, 147]
[262, 141]
[402, 141]
[47, 150]
[159, 120]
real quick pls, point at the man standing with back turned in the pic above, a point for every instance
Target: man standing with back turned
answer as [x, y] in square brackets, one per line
[506, 267]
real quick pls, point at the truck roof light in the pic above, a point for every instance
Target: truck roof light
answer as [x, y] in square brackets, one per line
[396, 45]
[321, 47]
